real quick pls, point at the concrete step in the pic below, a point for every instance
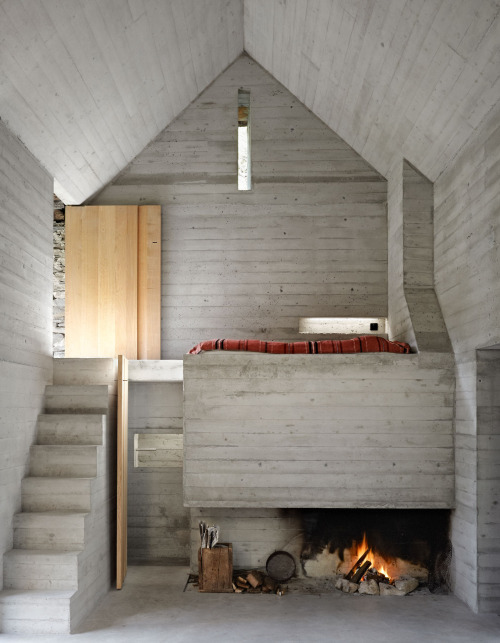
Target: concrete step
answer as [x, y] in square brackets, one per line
[56, 494]
[68, 461]
[87, 370]
[69, 428]
[49, 530]
[77, 398]
[35, 611]
[40, 569]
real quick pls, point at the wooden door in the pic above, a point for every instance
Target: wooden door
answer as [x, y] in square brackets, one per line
[149, 283]
[113, 281]
[101, 281]
[122, 472]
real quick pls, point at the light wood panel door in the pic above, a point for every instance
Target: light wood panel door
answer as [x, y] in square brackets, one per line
[113, 281]
[149, 283]
[122, 472]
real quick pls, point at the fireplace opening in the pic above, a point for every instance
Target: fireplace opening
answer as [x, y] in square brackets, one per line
[390, 544]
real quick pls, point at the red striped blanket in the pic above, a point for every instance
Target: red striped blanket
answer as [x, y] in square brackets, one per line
[364, 344]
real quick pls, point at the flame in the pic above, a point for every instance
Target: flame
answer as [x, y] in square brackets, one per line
[377, 561]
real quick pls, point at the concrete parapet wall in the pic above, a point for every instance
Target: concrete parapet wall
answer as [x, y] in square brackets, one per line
[366, 430]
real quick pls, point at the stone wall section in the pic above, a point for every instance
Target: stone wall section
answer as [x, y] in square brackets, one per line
[59, 235]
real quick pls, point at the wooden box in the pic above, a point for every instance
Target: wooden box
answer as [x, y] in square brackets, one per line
[215, 567]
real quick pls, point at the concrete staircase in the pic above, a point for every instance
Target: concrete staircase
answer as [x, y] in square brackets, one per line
[60, 566]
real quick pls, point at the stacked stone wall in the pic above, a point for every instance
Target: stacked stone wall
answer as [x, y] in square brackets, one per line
[59, 279]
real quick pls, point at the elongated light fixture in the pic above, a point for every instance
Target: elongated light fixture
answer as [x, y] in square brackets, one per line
[244, 163]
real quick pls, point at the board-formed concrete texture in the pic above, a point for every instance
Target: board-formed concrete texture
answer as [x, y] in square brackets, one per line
[393, 79]
[415, 314]
[148, 62]
[467, 278]
[87, 84]
[60, 566]
[25, 315]
[310, 240]
[488, 479]
[368, 430]
[158, 522]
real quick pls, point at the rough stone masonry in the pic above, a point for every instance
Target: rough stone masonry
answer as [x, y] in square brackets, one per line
[59, 279]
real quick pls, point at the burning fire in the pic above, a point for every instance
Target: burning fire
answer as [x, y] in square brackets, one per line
[377, 561]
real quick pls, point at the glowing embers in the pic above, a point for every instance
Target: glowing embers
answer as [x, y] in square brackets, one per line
[244, 159]
[410, 547]
[372, 574]
[368, 565]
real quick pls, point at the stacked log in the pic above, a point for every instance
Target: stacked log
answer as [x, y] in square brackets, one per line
[256, 582]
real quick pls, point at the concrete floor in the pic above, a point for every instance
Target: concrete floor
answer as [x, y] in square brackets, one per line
[153, 607]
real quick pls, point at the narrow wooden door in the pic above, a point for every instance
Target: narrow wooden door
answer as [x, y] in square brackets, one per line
[122, 475]
[149, 283]
[101, 281]
[113, 281]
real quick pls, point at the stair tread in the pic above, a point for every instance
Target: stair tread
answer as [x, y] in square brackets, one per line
[48, 553]
[59, 478]
[60, 416]
[77, 387]
[32, 595]
[64, 446]
[54, 513]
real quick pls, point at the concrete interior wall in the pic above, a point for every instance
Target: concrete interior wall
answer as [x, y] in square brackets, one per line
[399, 320]
[466, 265]
[310, 238]
[25, 316]
[369, 430]
[488, 479]
[467, 280]
[414, 312]
[158, 523]
[254, 533]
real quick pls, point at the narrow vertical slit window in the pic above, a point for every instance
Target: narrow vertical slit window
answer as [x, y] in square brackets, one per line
[244, 164]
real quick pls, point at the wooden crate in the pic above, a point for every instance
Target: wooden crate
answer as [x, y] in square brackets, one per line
[215, 567]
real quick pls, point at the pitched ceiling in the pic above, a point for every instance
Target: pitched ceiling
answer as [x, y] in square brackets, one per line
[86, 84]
[394, 78]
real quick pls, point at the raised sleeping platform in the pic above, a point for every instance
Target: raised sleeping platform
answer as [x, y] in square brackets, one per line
[372, 429]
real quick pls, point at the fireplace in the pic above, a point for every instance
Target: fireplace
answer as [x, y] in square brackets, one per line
[412, 543]
[325, 543]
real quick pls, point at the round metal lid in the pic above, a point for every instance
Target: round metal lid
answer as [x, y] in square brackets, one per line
[280, 566]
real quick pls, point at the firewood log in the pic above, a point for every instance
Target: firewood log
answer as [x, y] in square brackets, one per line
[350, 574]
[255, 578]
[270, 583]
[358, 575]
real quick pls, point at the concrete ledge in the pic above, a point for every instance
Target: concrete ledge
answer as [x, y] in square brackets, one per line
[161, 370]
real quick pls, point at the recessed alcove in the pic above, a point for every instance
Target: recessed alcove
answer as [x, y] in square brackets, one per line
[411, 542]
[343, 326]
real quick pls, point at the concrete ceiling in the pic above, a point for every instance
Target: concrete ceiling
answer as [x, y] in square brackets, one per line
[394, 78]
[86, 84]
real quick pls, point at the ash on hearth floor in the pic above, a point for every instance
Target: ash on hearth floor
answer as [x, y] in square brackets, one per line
[313, 586]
